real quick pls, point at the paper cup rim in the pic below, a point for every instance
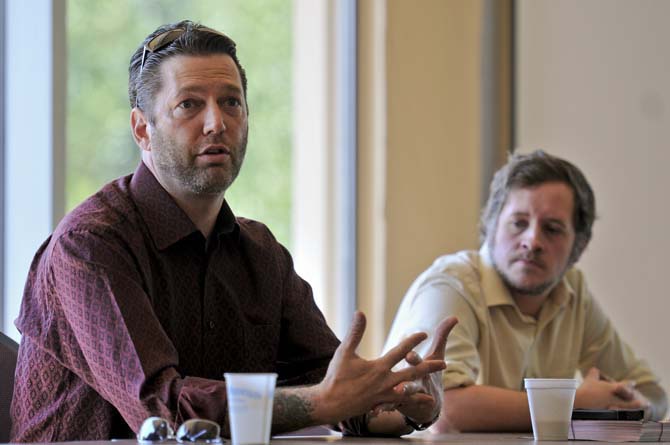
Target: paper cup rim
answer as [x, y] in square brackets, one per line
[550, 383]
[250, 374]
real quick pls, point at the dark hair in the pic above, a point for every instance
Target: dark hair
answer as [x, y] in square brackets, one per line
[529, 170]
[145, 81]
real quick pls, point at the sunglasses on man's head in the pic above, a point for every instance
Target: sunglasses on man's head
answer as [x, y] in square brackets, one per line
[165, 38]
[157, 429]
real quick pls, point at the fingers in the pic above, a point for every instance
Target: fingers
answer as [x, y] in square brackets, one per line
[413, 358]
[407, 389]
[416, 372]
[397, 398]
[355, 333]
[419, 406]
[631, 404]
[378, 409]
[624, 390]
[440, 341]
[593, 374]
[401, 350]
[436, 352]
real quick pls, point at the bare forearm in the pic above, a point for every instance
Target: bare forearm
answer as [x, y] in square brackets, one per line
[293, 409]
[657, 398]
[352, 385]
[483, 408]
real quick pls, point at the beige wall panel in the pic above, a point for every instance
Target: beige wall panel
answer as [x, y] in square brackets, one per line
[592, 86]
[371, 230]
[433, 151]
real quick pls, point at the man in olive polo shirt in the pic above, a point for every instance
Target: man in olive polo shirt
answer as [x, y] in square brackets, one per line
[523, 309]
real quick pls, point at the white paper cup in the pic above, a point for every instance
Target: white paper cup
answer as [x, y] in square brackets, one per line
[550, 402]
[250, 400]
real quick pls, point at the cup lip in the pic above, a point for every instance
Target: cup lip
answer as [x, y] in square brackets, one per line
[541, 383]
[250, 374]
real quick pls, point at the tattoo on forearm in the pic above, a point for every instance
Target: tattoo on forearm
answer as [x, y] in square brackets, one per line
[292, 411]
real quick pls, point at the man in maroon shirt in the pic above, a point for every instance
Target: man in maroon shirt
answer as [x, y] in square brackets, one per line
[149, 290]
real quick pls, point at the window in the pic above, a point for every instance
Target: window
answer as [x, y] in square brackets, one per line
[309, 206]
[101, 36]
[2, 160]
[33, 140]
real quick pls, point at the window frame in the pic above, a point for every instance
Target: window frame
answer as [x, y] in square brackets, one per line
[35, 179]
[324, 212]
[2, 164]
[34, 140]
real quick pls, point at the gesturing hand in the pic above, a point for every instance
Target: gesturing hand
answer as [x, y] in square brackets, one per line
[423, 397]
[353, 385]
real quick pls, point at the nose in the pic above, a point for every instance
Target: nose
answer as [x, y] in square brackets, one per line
[532, 238]
[214, 120]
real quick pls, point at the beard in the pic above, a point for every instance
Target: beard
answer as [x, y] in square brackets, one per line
[527, 291]
[177, 161]
[538, 289]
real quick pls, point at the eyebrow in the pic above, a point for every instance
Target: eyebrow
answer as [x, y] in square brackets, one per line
[198, 89]
[549, 220]
[560, 222]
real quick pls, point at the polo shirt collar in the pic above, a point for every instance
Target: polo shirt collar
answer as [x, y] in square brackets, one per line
[166, 221]
[496, 293]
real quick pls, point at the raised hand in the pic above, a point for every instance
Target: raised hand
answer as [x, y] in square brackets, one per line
[353, 385]
[423, 398]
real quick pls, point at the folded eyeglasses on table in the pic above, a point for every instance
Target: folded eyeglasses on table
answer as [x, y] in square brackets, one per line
[158, 429]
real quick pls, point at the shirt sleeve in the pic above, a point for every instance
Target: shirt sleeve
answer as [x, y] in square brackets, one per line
[604, 348]
[103, 328]
[433, 297]
[307, 343]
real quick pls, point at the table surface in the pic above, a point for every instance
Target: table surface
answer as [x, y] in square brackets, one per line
[414, 439]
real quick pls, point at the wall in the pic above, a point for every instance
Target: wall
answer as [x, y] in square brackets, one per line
[419, 145]
[592, 86]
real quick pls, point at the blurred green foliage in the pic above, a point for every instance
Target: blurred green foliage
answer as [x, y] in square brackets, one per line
[101, 37]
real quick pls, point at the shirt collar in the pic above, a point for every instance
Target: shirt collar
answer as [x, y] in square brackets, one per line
[497, 294]
[166, 221]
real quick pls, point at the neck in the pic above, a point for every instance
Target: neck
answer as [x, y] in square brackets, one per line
[530, 304]
[202, 210]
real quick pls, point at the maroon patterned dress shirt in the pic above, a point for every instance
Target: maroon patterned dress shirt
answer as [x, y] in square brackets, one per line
[128, 313]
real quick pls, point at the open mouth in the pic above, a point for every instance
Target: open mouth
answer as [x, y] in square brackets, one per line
[219, 156]
[215, 151]
[527, 262]
[215, 154]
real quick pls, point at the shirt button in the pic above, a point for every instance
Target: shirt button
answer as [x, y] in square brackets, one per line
[212, 324]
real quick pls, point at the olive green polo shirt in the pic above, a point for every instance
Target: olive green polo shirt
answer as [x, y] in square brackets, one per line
[495, 344]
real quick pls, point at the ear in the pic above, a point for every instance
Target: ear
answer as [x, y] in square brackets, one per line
[139, 125]
[578, 248]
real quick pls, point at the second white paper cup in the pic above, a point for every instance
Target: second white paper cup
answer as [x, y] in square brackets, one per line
[250, 400]
[550, 402]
